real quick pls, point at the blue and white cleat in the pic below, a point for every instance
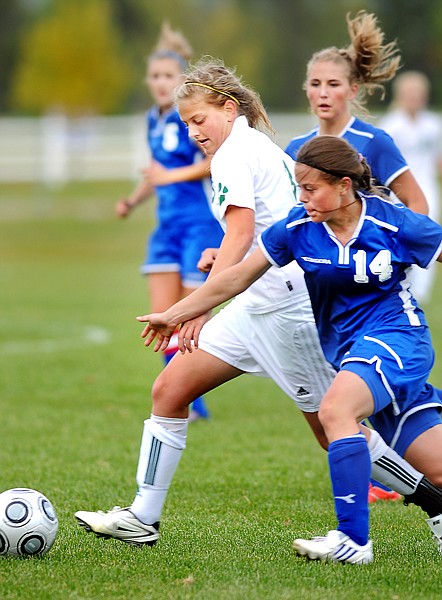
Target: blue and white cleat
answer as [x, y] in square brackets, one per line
[336, 547]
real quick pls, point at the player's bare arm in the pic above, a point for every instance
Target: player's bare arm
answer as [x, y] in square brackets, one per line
[214, 292]
[410, 193]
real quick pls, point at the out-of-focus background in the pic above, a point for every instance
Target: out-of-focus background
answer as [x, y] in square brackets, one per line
[72, 95]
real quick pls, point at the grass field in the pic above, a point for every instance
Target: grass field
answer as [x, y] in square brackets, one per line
[75, 381]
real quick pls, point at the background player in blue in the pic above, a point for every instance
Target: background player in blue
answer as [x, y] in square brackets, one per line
[356, 249]
[178, 177]
[337, 83]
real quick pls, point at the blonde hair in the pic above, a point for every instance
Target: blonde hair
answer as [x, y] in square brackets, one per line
[368, 60]
[210, 78]
[172, 44]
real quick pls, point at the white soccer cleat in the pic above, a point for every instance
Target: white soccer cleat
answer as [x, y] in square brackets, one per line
[337, 547]
[435, 524]
[120, 524]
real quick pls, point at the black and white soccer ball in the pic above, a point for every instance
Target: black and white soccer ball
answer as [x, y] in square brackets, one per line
[28, 523]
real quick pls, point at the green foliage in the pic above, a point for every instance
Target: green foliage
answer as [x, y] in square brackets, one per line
[73, 60]
[250, 480]
[99, 46]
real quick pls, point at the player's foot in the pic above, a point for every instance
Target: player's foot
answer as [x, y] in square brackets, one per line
[435, 524]
[336, 546]
[120, 524]
[376, 493]
[194, 415]
[198, 410]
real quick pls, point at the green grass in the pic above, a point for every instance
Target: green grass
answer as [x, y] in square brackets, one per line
[75, 382]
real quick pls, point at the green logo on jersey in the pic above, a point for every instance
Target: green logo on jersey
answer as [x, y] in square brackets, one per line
[292, 180]
[222, 191]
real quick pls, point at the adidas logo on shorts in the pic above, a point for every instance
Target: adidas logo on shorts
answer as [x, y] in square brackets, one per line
[302, 392]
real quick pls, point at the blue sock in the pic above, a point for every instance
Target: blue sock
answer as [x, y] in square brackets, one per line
[380, 485]
[198, 404]
[350, 467]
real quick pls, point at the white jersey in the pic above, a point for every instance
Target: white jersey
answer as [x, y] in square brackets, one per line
[251, 171]
[420, 141]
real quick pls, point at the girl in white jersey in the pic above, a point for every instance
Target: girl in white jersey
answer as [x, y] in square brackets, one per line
[269, 330]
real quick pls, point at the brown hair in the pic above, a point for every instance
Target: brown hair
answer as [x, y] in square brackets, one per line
[211, 78]
[368, 60]
[336, 158]
[172, 44]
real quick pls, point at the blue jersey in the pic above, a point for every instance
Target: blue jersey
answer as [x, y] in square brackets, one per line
[179, 204]
[377, 147]
[363, 285]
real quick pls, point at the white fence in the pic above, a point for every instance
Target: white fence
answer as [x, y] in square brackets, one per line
[55, 150]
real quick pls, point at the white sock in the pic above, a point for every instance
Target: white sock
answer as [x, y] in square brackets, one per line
[435, 524]
[162, 444]
[391, 469]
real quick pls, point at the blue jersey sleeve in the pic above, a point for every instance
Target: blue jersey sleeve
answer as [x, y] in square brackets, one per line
[292, 149]
[420, 238]
[385, 158]
[275, 244]
[294, 145]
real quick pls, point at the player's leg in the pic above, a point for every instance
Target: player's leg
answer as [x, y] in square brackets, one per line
[165, 289]
[295, 361]
[186, 377]
[425, 451]
[198, 409]
[197, 237]
[163, 441]
[347, 401]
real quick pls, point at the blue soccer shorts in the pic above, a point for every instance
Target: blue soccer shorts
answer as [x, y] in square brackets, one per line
[171, 250]
[396, 363]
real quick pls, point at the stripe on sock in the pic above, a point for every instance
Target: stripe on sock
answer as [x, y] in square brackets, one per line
[397, 471]
[152, 463]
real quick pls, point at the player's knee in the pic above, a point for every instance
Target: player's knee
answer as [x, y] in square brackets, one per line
[436, 478]
[327, 416]
[168, 395]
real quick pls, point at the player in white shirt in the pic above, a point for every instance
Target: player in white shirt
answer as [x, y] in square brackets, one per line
[417, 132]
[269, 330]
[355, 248]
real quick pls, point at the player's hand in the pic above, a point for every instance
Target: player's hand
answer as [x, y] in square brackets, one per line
[156, 174]
[189, 333]
[207, 259]
[123, 208]
[158, 329]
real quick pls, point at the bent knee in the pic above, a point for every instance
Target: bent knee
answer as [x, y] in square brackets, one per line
[169, 395]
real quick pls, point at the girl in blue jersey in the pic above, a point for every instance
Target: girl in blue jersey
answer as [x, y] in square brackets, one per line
[178, 176]
[337, 83]
[356, 249]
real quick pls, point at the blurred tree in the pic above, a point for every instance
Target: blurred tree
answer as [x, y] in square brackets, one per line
[72, 60]
[12, 18]
[417, 26]
[90, 54]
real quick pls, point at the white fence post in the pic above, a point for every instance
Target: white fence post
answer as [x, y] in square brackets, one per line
[54, 149]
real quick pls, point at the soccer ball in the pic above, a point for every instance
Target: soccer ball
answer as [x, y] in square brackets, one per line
[28, 523]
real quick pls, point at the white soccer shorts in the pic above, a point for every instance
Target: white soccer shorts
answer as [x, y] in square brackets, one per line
[283, 345]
